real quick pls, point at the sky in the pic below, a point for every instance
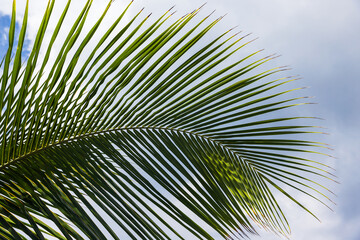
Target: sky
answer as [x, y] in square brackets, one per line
[320, 41]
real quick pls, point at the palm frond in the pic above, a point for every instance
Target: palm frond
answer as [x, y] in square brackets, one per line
[153, 124]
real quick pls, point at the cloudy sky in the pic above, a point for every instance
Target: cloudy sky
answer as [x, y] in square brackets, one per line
[320, 41]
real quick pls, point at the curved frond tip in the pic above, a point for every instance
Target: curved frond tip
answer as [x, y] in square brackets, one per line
[154, 129]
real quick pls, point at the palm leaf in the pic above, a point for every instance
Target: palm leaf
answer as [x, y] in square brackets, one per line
[153, 125]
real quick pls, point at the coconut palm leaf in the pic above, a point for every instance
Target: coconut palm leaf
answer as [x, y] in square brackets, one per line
[154, 132]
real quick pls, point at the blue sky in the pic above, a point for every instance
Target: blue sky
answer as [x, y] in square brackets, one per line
[5, 25]
[320, 41]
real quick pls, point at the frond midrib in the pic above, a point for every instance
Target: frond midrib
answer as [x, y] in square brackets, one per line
[91, 134]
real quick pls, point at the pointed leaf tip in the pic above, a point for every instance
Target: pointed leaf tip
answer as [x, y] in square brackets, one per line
[252, 40]
[202, 5]
[171, 8]
[284, 66]
[233, 29]
[270, 56]
[211, 14]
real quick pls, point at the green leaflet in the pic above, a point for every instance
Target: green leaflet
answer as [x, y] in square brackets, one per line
[154, 124]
